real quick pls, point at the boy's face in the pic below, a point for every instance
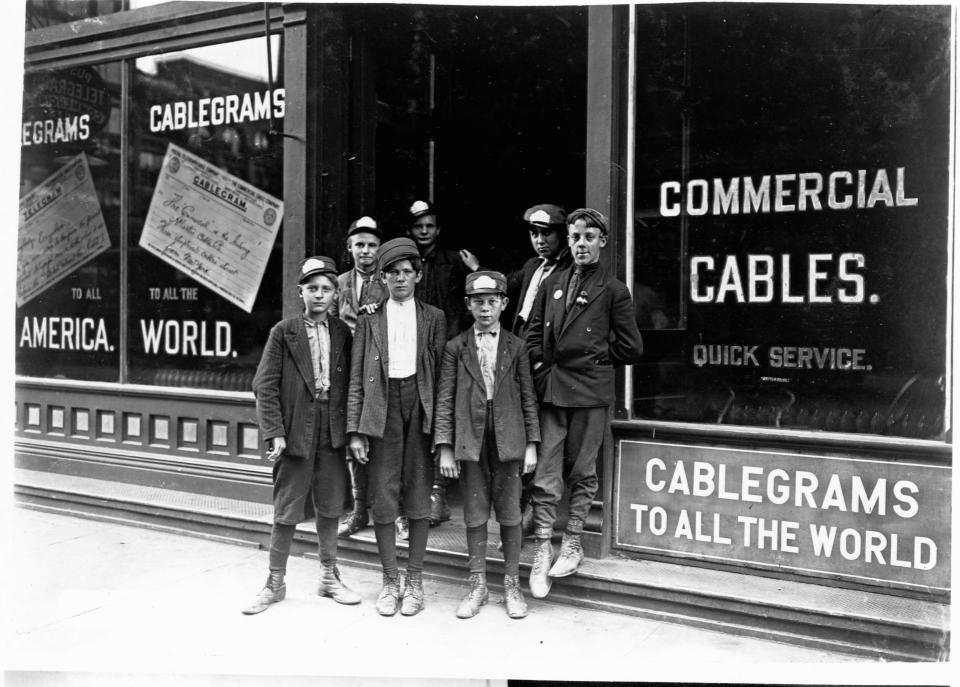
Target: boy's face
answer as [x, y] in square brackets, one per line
[401, 279]
[363, 246]
[317, 294]
[424, 231]
[585, 242]
[486, 308]
[546, 242]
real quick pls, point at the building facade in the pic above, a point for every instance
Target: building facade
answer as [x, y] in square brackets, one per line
[777, 178]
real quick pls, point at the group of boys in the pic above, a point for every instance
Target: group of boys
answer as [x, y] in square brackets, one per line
[421, 396]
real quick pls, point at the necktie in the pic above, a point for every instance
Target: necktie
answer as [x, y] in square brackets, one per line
[363, 290]
[574, 290]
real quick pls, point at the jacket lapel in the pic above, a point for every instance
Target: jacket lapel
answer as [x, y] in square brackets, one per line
[379, 331]
[504, 359]
[595, 284]
[468, 354]
[300, 350]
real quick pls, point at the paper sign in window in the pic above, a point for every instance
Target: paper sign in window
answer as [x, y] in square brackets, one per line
[212, 226]
[61, 228]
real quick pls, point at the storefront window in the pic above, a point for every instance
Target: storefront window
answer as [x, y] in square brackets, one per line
[205, 214]
[791, 220]
[68, 262]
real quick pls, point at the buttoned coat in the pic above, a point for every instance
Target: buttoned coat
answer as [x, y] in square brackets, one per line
[579, 349]
[518, 283]
[369, 373]
[462, 398]
[285, 387]
[348, 300]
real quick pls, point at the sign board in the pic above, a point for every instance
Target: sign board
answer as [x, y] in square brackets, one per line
[61, 228]
[870, 521]
[212, 226]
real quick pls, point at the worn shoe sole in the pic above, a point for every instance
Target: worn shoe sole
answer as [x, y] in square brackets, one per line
[557, 571]
[262, 603]
[470, 612]
[340, 598]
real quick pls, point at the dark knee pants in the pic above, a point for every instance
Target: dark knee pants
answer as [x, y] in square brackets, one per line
[317, 484]
[570, 441]
[400, 461]
[490, 480]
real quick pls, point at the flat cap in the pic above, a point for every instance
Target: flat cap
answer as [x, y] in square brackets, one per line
[485, 282]
[397, 249]
[545, 215]
[318, 264]
[421, 208]
[365, 223]
[590, 217]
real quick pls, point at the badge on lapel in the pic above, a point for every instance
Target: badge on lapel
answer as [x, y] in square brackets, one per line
[558, 294]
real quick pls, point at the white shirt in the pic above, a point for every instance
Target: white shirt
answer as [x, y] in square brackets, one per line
[401, 338]
[487, 355]
[539, 275]
[318, 334]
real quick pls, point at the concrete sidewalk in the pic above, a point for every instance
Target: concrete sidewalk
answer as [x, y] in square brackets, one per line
[95, 596]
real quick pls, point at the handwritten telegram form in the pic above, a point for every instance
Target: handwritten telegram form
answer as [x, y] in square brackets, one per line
[212, 226]
[61, 228]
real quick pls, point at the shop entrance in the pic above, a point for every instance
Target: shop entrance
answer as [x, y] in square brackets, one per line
[482, 111]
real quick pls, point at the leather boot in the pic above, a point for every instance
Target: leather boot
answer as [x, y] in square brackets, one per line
[330, 585]
[526, 521]
[274, 591]
[358, 518]
[439, 510]
[475, 598]
[571, 552]
[412, 602]
[513, 597]
[540, 581]
[403, 528]
[389, 598]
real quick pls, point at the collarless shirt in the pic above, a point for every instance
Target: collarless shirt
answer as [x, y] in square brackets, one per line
[401, 338]
[318, 334]
[486, 343]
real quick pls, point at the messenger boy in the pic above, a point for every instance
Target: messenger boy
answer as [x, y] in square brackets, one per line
[395, 361]
[486, 431]
[301, 391]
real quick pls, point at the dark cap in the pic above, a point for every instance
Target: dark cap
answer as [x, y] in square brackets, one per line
[364, 224]
[485, 282]
[545, 215]
[421, 208]
[591, 218]
[318, 264]
[397, 249]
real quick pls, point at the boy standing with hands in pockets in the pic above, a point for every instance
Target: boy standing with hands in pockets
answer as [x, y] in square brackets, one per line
[487, 432]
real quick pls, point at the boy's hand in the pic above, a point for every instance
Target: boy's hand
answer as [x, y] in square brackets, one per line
[277, 446]
[369, 308]
[530, 459]
[448, 466]
[469, 260]
[359, 445]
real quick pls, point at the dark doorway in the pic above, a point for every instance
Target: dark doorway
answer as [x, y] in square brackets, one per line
[485, 107]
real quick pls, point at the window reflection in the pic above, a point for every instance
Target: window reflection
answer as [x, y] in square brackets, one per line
[803, 315]
[214, 105]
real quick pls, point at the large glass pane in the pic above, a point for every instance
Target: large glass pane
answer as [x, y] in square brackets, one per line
[68, 266]
[205, 211]
[791, 229]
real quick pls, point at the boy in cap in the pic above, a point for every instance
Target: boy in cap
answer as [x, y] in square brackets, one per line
[582, 326]
[548, 236]
[486, 431]
[390, 406]
[301, 391]
[360, 291]
[442, 285]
